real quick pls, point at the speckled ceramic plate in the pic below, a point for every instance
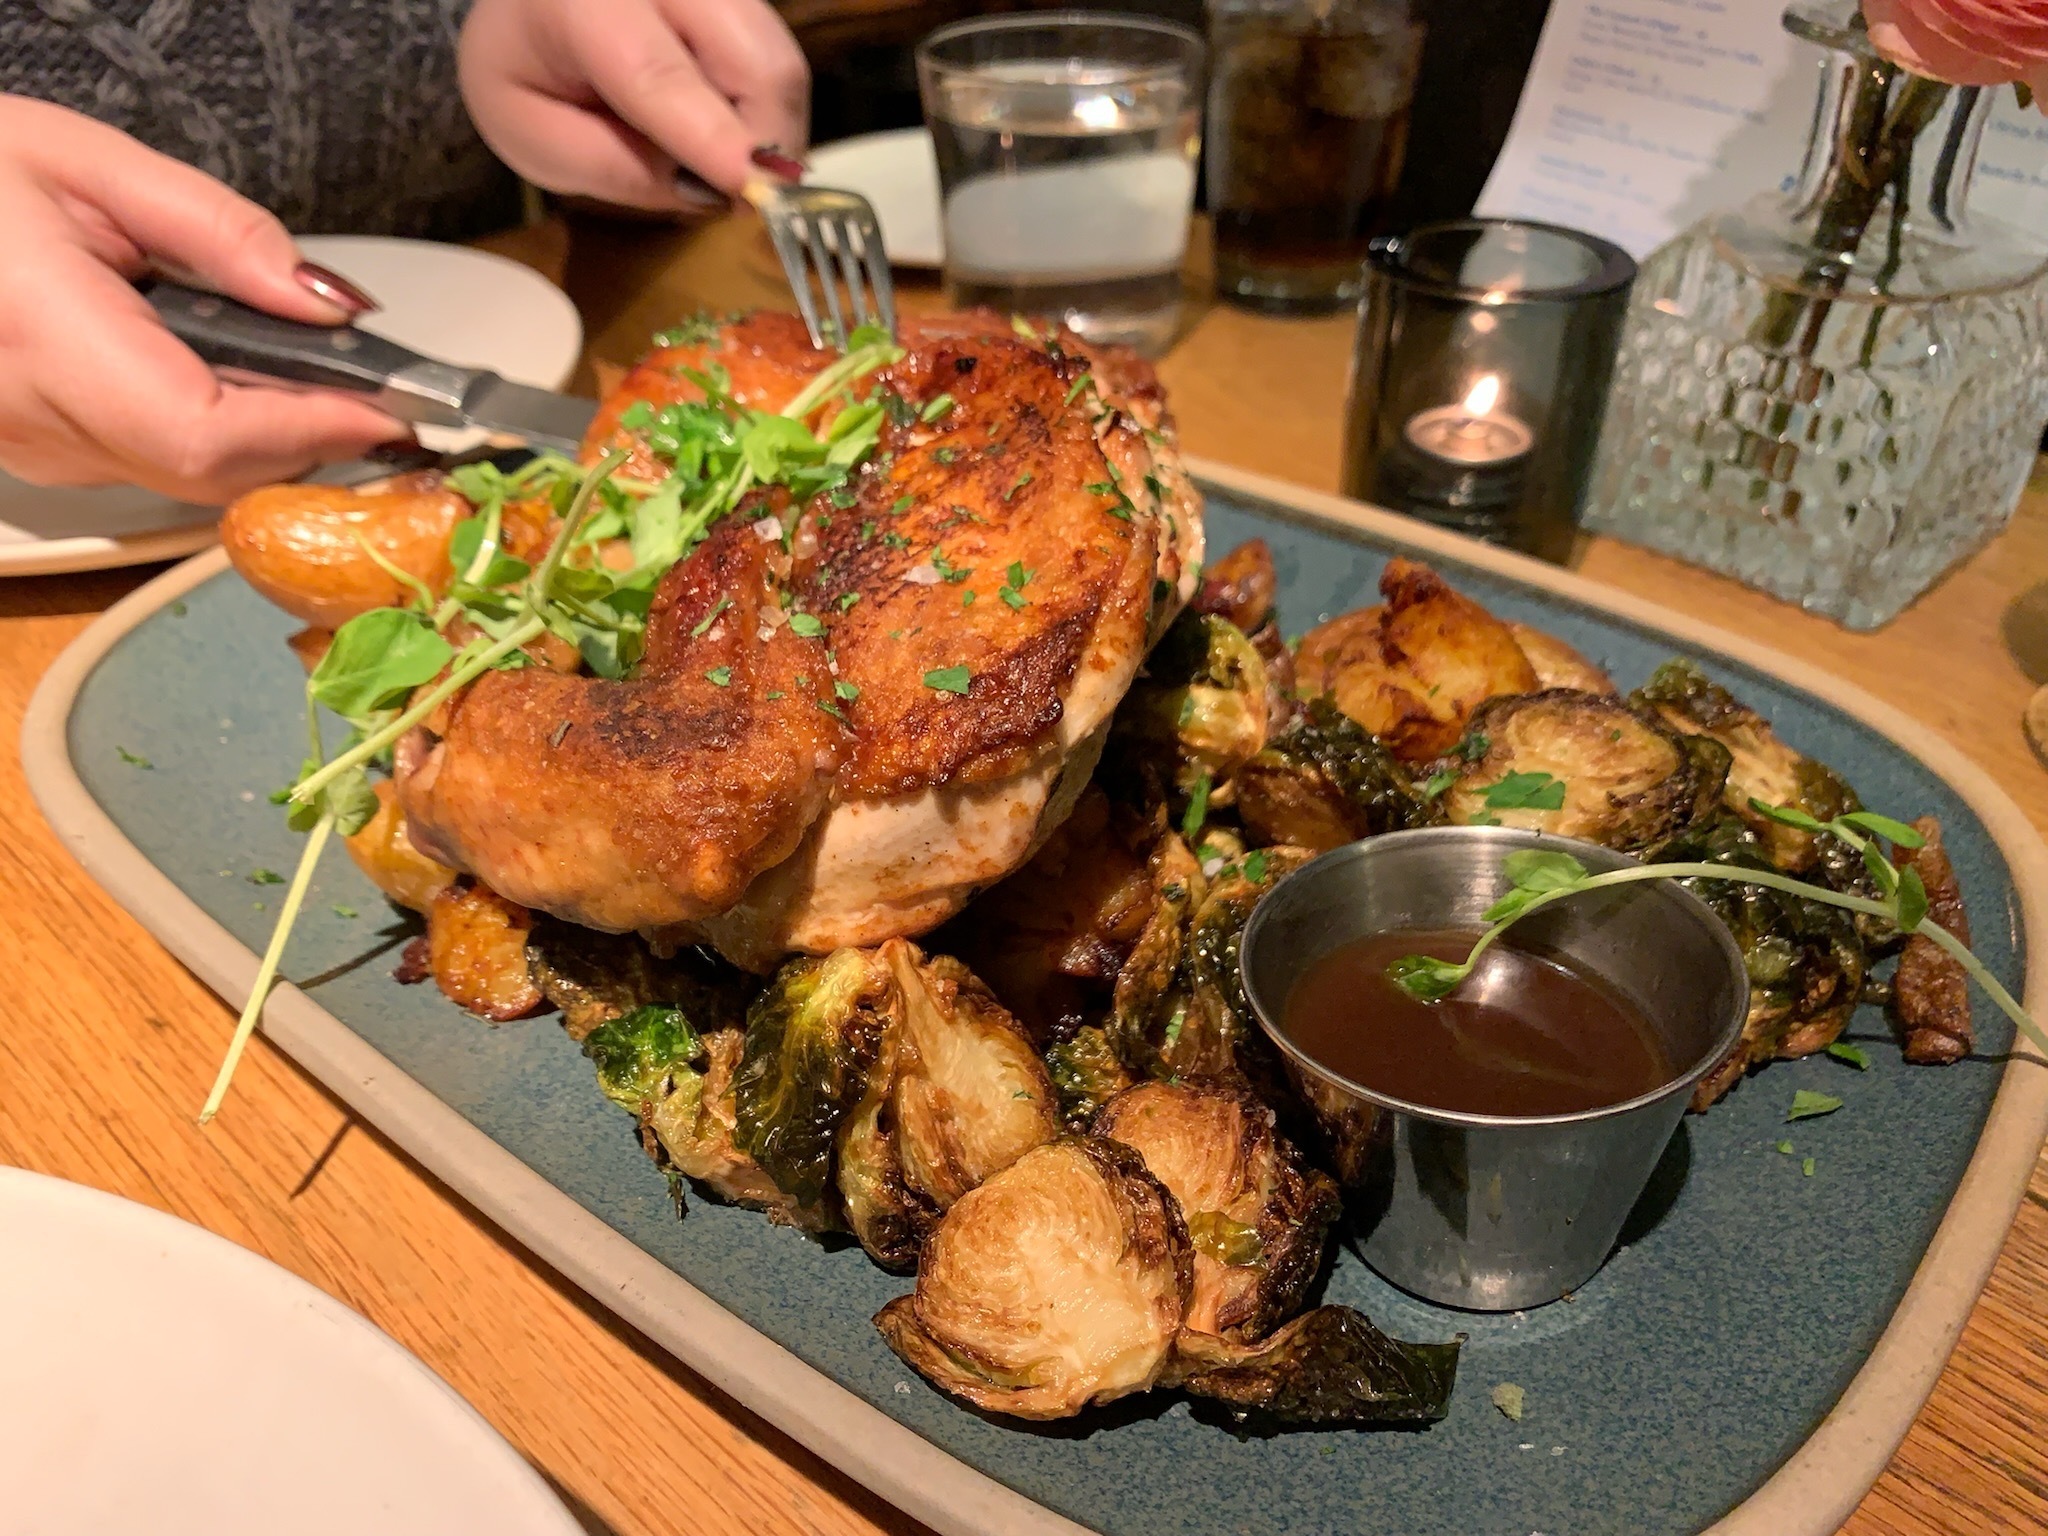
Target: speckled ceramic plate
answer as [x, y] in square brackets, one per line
[1751, 1355]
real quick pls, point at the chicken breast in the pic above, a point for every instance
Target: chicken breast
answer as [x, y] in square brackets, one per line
[923, 735]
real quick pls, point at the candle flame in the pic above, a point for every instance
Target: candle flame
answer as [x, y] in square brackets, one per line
[1484, 395]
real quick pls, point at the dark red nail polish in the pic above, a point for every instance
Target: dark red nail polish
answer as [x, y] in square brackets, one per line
[776, 163]
[334, 288]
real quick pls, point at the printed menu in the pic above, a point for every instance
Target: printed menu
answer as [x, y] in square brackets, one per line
[1642, 116]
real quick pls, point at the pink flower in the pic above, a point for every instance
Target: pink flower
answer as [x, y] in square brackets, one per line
[1966, 42]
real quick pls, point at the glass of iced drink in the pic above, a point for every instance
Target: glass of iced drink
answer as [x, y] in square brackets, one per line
[1308, 125]
[1067, 145]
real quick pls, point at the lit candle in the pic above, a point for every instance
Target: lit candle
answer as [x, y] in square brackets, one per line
[1472, 435]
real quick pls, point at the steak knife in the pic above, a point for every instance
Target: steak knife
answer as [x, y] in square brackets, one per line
[249, 346]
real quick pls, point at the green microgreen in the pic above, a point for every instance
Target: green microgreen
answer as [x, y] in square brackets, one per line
[1525, 792]
[948, 679]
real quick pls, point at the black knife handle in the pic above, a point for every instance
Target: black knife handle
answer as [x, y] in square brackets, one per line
[246, 343]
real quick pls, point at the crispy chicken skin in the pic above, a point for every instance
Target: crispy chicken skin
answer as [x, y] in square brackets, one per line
[825, 793]
[1412, 671]
[1931, 990]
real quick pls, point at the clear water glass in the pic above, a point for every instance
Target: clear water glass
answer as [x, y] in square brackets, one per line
[1067, 146]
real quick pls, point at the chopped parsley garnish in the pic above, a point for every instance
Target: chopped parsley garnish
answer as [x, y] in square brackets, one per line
[704, 624]
[902, 504]
[944, 455]
[773, 694]
[1785, 1147]
[1076, 387]
[867, 530]
[342, 911]
[134, 759]
[846, 690]
[1255, 866]
[1198, 808]
[719, 676]
[948, 679]
[895, 541]
[1806, 1104]
[1806, 1167]
[1842, 1050]
[1438, 782]
[1101, 488]
[1019, 577]
[949, 571]
[695, 331]
[1013, 597]
[899, 410]
[938, 406]
[844, 496]
[967, 598]
[1525, 792]
[847, 600]
[1474, 747]
[834, 711]
[1022, 481]
[807, 626]
[265, 877]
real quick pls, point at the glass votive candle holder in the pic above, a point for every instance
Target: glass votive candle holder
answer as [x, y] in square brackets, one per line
[1480, 375]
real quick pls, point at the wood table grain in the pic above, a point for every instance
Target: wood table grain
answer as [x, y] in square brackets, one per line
[108, 1045]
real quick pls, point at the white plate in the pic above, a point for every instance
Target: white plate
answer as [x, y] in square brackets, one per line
[154, 1377]
[447, 301]
[899, 173]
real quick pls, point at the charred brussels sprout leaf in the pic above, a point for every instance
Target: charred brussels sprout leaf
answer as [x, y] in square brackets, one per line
[812, 1038]
[1629, 781]
[1330, 1366]
[637, 1053]
[1060, 1282]
[1324, 782]
[1086, 1074]
[1762, 767]
[1201, 702]
[1806, 962]
[596, 977]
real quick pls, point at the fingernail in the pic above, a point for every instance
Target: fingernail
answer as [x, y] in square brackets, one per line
[776, 163]
[334, 288]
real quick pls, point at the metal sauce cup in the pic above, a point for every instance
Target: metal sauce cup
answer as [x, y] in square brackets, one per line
[1493, 1212]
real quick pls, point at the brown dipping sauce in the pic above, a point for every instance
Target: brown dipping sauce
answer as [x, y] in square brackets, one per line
[1524, 1034]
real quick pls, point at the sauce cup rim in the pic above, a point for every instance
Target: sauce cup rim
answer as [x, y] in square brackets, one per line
[1510, 839]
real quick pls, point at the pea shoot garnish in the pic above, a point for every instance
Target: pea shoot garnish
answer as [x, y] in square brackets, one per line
[1539, 876]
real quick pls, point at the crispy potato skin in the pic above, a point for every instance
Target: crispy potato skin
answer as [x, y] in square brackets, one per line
[1559, 665]
[299, 545]
[476, 948]
[384, 851]
[1412, 671]
[1242, 586]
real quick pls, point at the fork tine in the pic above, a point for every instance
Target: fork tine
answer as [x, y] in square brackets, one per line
[844, 235]
[876, 260]
[790, 252]
[822, 258]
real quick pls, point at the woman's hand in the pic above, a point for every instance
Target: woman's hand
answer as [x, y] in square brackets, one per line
[93, 389]
[611, 98]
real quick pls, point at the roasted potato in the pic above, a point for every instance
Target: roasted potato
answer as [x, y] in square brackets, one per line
[383, 850]
[1413, 671]
[1581, 765]
[476, 949]
[1559, 665]
[1241, 587]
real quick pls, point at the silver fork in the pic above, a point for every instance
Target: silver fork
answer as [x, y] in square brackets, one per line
[829, 240]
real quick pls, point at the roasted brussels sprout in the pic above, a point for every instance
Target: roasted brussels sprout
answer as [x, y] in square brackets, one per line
[678, 1085]
[1061, 1281]
[1805, 961]
[1559, 665]
[1241, 587]
[1329, 1366]
[1050, 940]
[1581, 765]
[1201, 703]
[957, 1094]
[1256, 1213]
[1762, 767]
[1413, 671]
[1324, 782]
[1086, 1074]
[813, 1037]
[596, 977]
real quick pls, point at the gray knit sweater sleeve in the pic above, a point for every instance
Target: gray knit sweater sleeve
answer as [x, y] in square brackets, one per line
[340, 116]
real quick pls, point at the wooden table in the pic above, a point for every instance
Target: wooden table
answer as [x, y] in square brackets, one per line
[108, 1045]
